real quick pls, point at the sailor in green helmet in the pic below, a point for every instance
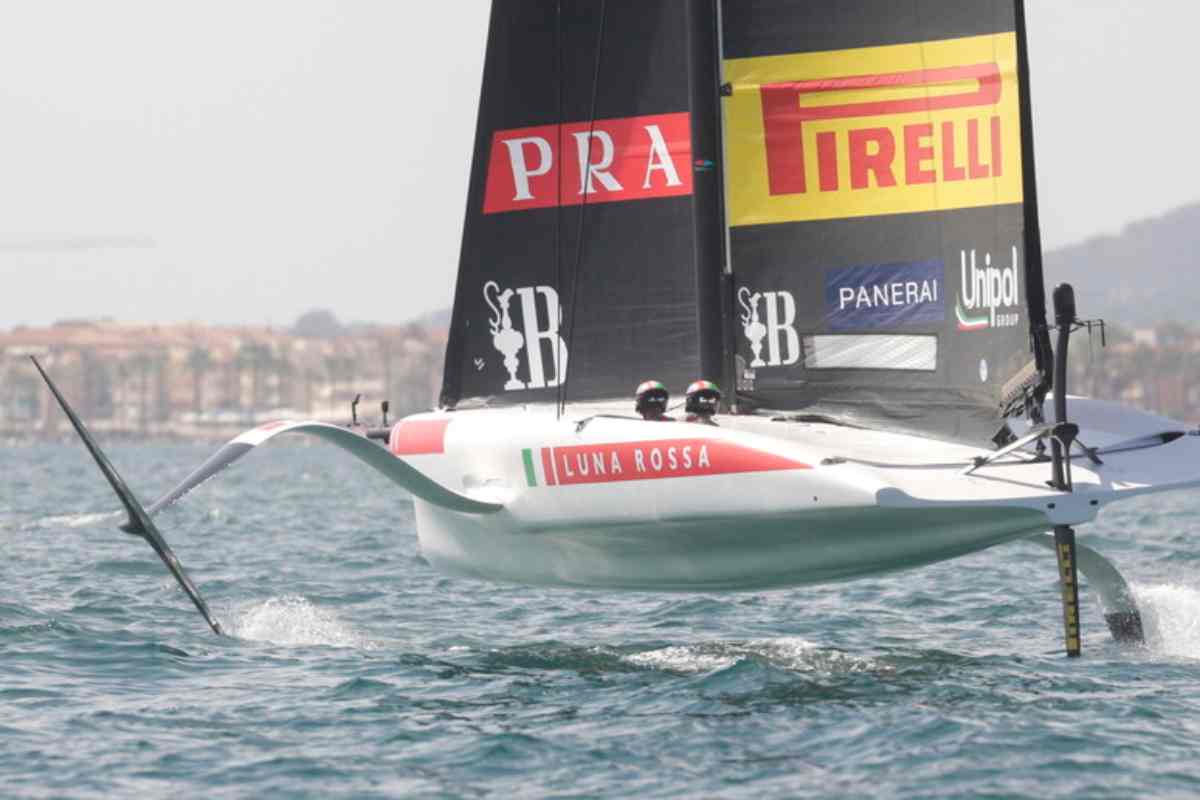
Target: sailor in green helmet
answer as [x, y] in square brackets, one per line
[703, 400]
[651, 399]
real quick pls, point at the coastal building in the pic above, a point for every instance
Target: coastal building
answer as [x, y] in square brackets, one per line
[200, 381]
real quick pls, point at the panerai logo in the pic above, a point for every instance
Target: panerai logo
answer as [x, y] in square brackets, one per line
[989, 295]
[537, 335]
[882, 296]
[778, 331]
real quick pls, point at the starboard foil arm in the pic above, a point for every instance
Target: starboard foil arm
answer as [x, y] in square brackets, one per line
[395, 468]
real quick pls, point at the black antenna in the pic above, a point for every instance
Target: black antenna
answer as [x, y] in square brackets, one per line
[558, 57]
[384, 406]
[354, 409]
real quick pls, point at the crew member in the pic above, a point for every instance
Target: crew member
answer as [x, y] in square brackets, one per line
[651, 399]
[703, 399]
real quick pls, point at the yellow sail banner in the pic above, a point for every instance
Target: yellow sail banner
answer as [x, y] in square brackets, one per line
[907, 128]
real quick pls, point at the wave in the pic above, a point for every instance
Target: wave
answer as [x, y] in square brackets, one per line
[80, 520]
[789, 653]
[293, 621]
[1171, 616]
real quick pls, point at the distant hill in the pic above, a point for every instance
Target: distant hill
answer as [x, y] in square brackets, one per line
[1141, 277]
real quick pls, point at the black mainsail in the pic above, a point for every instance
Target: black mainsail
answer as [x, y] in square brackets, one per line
[883, 260]
[589, 276]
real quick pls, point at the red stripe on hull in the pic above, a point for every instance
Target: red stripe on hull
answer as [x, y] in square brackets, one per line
[419, 437]
[655, 460]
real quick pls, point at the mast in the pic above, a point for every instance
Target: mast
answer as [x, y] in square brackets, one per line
[1034, 282]
[712, 287]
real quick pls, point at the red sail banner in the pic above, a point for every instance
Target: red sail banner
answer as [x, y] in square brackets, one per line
[634, 158]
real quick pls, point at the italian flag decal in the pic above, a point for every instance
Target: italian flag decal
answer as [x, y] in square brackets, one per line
[539, 470]
[966, 322]
[530, 472]
[643, 461]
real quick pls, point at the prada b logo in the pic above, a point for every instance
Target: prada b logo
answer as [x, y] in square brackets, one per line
[526, 333]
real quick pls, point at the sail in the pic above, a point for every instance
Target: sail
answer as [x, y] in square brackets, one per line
[874, 181]
[592, 233]
[883, 234]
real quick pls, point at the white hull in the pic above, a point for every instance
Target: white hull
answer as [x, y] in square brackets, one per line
[719, 555]
[626, 525]
[759, 503]
[520, 495]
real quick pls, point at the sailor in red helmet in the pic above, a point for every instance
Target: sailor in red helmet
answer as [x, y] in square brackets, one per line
[651, 399]
[703, 400]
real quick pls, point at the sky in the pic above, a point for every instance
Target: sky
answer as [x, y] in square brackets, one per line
[244, 161]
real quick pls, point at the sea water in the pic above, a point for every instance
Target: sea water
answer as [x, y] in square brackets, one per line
[355, 670]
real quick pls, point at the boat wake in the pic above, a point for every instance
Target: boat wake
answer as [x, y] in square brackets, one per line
[81, 520]
[293, 621]
[792, 654]
[1171, 615]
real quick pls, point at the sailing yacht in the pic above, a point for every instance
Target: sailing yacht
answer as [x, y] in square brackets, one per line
[828, 208]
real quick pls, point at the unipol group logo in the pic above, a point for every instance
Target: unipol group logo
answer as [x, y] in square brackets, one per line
[880, 130]
[769, 318]
[634, 158]
[535, 335]
[990, 295]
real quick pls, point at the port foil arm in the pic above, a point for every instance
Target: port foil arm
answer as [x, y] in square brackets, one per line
[398, 470]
